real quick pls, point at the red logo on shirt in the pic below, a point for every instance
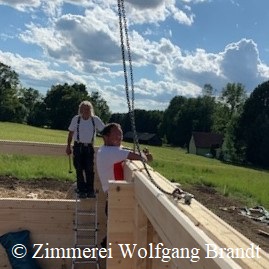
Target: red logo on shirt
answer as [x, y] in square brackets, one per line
[118, 171]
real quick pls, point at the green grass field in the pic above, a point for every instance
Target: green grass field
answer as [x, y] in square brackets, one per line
[174, 163]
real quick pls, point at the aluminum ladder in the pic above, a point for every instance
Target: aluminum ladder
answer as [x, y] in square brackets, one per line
[86, 231]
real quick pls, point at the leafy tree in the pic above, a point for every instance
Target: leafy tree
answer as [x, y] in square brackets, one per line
[221, 118]
[208, 90]
[100, 106]
[155, 119]
[234, 97]
[227, 114]
[146, 121]
[9, 79]
[253, 128]
[38, 115]
[10, 107]
[117, 117]
[204, 108]
[62, 103]
[29, 98]
[183, 116]
[169, 126]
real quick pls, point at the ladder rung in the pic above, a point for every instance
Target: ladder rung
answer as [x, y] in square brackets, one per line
[86, 213]
[85, 246]
[86, 230]
[86, 224]
[85, 236]
[85, 261]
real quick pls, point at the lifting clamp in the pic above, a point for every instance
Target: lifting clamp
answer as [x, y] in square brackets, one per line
[179, 194]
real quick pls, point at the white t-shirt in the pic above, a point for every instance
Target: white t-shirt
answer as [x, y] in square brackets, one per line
[85, 128]
[107, 160]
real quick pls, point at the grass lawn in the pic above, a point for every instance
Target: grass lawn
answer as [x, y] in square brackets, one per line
[248, 183]
[174, 163]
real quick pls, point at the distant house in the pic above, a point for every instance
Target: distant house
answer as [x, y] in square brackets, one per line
[144, 138]
[202, 143]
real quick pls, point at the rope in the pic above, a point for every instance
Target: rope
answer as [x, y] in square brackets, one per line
[177, 193]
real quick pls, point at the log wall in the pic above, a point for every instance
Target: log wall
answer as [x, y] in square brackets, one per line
[49, 221]
[139, 214]
[157, 219]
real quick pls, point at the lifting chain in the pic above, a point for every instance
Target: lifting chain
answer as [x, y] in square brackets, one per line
[178, 193]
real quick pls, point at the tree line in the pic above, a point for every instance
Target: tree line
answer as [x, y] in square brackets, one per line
[242, 120]
[54, 110]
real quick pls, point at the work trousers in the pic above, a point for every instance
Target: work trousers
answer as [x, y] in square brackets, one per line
[83, 159]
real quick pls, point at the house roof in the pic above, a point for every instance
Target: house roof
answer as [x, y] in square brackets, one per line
[206, 140]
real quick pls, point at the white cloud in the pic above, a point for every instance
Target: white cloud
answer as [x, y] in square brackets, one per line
[40, 73]
[78, 39]
[52, 8]
[90, 40]
[181, 16]
[22, 5]
[142, 4]
[241, 62]
[91, 45]
[263, 70]
[196, 1]
[179, 74]
[156, 11]
[85, 49]
[162, 90]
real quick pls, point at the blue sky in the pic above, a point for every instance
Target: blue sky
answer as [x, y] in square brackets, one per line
[177, 46]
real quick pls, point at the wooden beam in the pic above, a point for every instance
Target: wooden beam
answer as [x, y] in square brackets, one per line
[215, 228]
[49, 221]
[174, 228]
[31, 148]
[120, 225]
[140, 234]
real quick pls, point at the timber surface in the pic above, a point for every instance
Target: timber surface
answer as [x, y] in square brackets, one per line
[215, 228]
[138, 213]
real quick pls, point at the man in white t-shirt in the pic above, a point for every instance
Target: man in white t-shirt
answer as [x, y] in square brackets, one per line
[111, 155]
[110, 158]
[82, 130]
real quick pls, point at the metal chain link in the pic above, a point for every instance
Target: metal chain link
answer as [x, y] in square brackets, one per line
[177, 193]
[123, 24]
